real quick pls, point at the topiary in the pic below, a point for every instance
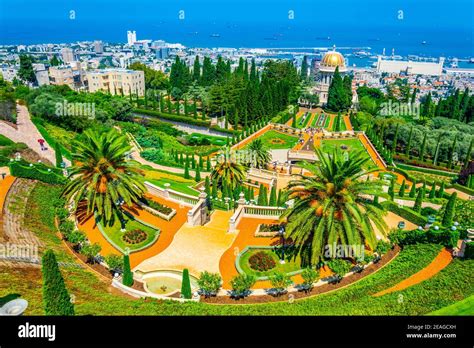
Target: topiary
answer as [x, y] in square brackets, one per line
[127, 278]
[186, 285]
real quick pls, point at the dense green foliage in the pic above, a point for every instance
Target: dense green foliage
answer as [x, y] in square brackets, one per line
[127, 277]
[55, 296]
[186, 285]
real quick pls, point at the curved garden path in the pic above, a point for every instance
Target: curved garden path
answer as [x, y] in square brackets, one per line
[168, 230]
[27, 133]
[443, 259]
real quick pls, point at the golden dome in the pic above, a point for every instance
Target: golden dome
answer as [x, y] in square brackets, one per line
[333, 59]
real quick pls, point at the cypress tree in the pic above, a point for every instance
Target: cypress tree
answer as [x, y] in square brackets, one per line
[422, 148]
[410, 137]
[391, 189]
[438, 143]
[451, 153]
[261, 195]
[186, 171]
[59, 156]
[214, 189]
[449, 211]
[208, 164]
[56, 299]
[207, 187]
[127, 277]
[412, 191]
[252, 193]
[376, 199]
[432, 191]
[395, 139]
[186, 285]
[468, 155]
[198, 174]
[440, 192]
[401, 193]
[419, 200]
[273, 196]
[201, 164]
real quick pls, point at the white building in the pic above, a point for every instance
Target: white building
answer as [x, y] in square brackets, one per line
[98, 47]
[409, 67]
[131, 37]
[42, 76]
[116, 81]
[9, 73]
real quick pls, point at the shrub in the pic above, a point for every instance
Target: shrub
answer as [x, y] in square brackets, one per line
[56, 299]
[76, 237]
[90, 251]
[446, 237]
[309, 276]
[339, 266]
[402, 237]
[158, 206]
[241, 285]
[427, 211]
[269, 227]
[36, 172]
[209, 283]
[62, 213]
[127, 277]
[66, 227]
[177, 118]
[134, 236]
[280, 282]
[261, 261]
[186, 285]
[383, 247]
[115, 263]
[449, 211]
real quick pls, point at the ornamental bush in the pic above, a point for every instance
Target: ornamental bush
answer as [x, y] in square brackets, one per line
[115, 263]
[310, 276]
[209, 283]
[186, 285]
[403, 237]
[280, 282]
[444, 236]
[56, 299]
[127, 277]
[134, 236]
[241, 285]
[383, 247]
[339, 266]
[469, 250]
[449, 211]
[261, 261]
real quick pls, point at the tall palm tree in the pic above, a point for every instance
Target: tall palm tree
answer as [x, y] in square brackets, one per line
[228, 172]
[331, 206]
[102, 175]
[261, 155]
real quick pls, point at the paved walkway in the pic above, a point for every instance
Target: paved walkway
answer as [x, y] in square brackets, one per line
[168, 230]
[27, 133]
[443, 259]
[198, 248]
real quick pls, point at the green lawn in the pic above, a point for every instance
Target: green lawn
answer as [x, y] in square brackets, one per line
[115, 235]
[275, 140]
[464, 307]
[300, 124]
[53, 134]
[218, 141]
[175, 185]
[328, 145]
[291, 264]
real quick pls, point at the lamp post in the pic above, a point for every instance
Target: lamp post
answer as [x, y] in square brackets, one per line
[282, 235]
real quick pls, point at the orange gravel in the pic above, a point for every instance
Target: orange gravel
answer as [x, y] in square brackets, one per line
[246, 237]
[440, 262]
[5, 185]
[167, 231]
[347, 122]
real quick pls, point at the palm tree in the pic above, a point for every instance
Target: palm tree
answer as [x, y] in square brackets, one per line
[227, 172]
[260, 153]
[330, 207]
[102, 176]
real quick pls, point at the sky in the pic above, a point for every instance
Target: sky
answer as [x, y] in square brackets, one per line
[33, 21]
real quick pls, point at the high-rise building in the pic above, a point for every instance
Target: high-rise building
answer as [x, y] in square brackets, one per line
[61, 76]
[67, 55]
[131, 37]
[98, 47]
[162, 53]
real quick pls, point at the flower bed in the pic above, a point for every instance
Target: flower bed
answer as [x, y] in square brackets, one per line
[134, 236]
[261, 261]
[267, 230]
[158, 209]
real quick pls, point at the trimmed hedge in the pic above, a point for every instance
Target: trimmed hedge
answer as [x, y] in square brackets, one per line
[223, 130]
[445, 237]
[405, 213]
[186, 285]
[36, 172]
[176, 118]
[127, 277]
[56, 299]
[464, 189]
[425, 170]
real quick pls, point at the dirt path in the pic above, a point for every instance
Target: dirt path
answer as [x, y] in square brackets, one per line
[440, 262]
